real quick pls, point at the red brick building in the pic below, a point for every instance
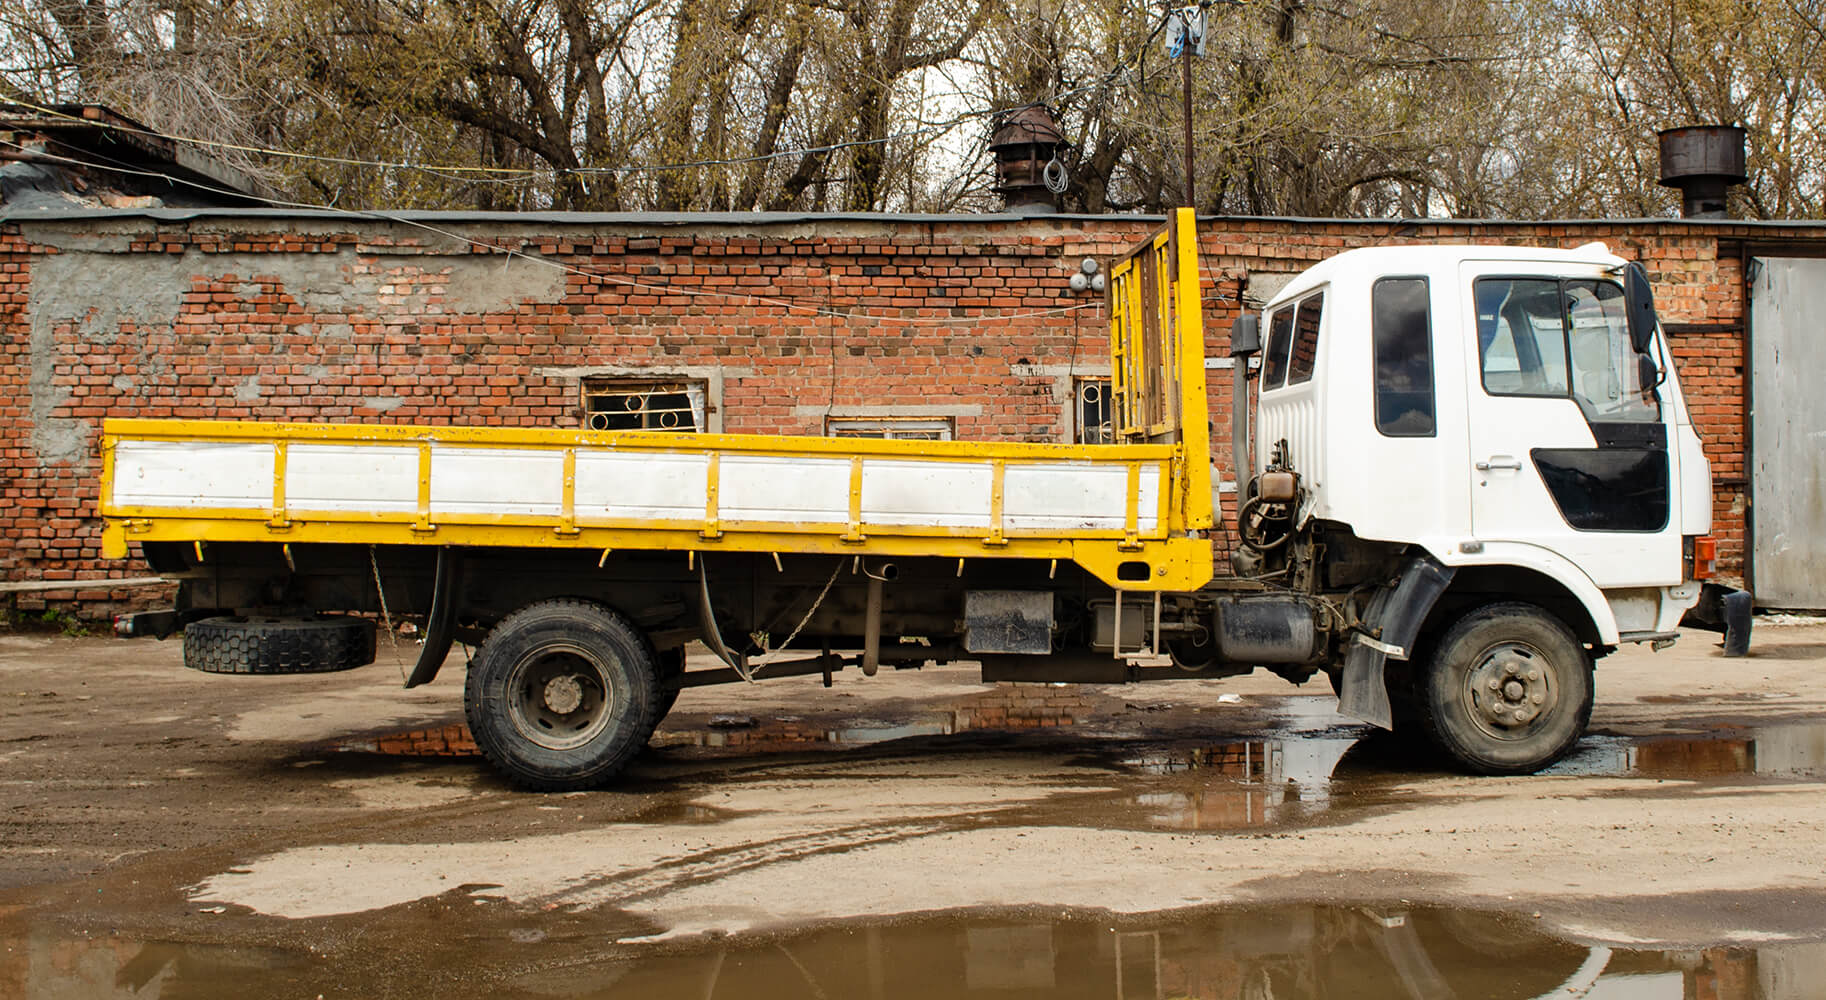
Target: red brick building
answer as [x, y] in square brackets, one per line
[914, 325]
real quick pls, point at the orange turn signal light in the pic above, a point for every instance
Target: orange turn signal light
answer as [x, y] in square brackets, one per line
[1705, 557]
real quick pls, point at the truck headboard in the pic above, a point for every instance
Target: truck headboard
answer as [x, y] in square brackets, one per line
[1157, 356]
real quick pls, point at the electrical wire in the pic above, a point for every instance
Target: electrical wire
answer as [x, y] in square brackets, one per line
[594, 275]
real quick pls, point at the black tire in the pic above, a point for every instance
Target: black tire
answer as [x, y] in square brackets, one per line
[1508, 690]
[257, 645]
[562, 695]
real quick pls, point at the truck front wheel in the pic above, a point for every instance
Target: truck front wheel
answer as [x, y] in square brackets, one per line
[562, 695]
[1508, 690]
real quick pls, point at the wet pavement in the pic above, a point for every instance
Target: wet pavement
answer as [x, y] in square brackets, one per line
[179, 837]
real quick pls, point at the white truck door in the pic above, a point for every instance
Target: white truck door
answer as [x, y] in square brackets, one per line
[1568, 451]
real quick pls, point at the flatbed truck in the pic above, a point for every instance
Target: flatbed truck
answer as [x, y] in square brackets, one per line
[1468, 474]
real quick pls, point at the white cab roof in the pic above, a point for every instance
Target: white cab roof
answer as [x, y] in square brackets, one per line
[1369, 263]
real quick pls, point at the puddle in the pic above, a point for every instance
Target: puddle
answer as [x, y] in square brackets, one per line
[1007, 707]
[1240, 954]
[1769, 751]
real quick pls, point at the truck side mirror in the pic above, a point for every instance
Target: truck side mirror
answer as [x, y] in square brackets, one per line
[1639, 302]
[1245, 335]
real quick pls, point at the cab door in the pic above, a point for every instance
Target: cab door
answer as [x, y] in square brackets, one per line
[1569, 451]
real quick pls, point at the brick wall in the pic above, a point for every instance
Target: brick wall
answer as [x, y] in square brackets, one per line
[256, 316]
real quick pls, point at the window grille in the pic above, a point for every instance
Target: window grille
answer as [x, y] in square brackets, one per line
[1091, 396]
[615, 404]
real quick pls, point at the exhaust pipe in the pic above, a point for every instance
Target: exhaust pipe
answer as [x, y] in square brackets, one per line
[1245, 342]
[871, 617]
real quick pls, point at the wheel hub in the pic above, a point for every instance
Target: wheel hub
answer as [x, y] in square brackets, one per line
[559, 697]
[563, 694]
[1510, 687]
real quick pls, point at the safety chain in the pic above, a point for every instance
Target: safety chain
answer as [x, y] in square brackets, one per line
[802, 622]
[385, 618]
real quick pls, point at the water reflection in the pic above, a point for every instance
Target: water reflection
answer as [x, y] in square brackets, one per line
[1245, 954]
[1773, 751]
[1005, 707]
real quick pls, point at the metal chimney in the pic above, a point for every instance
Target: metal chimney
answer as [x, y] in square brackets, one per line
[1028, 172]
[1702, 161]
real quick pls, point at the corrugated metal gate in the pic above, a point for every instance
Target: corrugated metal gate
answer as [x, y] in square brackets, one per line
[1788, 432]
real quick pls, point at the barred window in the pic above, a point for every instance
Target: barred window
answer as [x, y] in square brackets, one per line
[622, 404]
[1091, 398]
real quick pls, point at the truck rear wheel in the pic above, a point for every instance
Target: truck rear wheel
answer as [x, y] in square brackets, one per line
[1508, 690]
[562, 694]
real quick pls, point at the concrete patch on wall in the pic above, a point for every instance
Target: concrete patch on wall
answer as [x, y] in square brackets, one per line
[101, 294]
[54, 439]
[1264, 285]
[495, 284]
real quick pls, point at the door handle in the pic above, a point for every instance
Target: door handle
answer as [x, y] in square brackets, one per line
[1500, 462]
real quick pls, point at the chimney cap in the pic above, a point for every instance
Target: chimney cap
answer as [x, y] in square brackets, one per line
[1033, 123]
[1694, 151]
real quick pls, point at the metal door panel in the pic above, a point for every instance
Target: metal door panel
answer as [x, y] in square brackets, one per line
[1788, 433]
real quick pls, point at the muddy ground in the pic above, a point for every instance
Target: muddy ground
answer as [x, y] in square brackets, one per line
[169, 833]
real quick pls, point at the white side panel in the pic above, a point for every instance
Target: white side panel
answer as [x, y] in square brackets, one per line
[771, 488]
[1083, 497]
[1292, 415]
[657, 486]
[355, 478]
[940, 494]
[192, 474]
[522, 481]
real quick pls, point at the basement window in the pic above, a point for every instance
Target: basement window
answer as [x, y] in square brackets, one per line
[892, 428]
[1091, 407]
[622, 404]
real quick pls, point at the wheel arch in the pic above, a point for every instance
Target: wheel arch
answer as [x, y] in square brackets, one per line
[1580, 605]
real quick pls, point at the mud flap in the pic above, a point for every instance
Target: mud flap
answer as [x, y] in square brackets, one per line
[1724, 610]
[440, 624]
[1394, 617]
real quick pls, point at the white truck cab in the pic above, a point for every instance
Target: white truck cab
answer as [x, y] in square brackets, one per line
[1500, 411]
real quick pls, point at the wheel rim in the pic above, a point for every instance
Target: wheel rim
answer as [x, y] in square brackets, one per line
[559, 697]
[1511, 690]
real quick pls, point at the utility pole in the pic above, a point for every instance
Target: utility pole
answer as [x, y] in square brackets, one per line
[1185, 39]
[1185, 75]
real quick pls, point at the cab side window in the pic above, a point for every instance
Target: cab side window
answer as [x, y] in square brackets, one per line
[1402, 338]
[1546, 337]
[1606, 381]
[1304, 354]
[1521, 336]
[1280, 337]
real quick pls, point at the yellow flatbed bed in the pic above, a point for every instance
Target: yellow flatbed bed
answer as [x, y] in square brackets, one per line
[1135, 514]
